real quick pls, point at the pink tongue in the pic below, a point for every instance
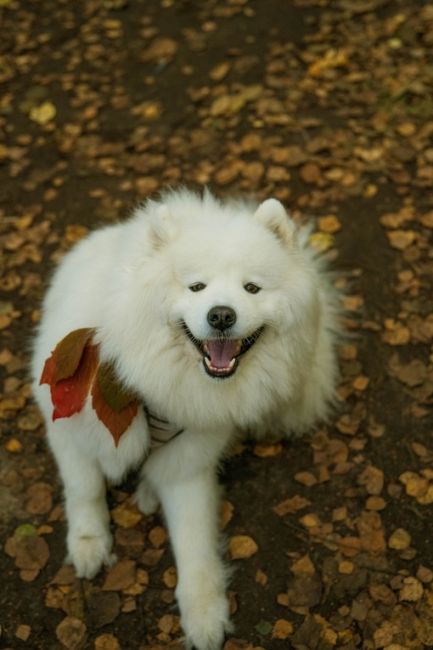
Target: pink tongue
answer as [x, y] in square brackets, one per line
[221, 352]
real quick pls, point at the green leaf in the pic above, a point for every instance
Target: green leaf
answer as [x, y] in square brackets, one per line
[66, 356]
[114, 394]
[263, 627]
[25, 530]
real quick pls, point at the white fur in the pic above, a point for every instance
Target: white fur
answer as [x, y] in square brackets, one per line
[130, 281]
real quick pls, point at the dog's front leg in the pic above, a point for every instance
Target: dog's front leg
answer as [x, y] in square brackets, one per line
[191, 509]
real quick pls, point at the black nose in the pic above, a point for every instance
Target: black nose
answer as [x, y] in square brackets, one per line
[221, 317]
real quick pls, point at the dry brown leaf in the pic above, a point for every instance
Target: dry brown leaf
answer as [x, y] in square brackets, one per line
[395, 332]
[158, 536]
[107, 642]
[401, 239]
[412, 590]
[40, 498]
[282, 629]
[303, 566]
[170, 577]
[23, 632]
[305, 478]
[291, 505]
[120, 576]
[71, 633]
[226, 513]
[330, 224]
[399, 540]
[242, 547]
[126, 514]
[261, 578]
[263, 450]
[372, 478]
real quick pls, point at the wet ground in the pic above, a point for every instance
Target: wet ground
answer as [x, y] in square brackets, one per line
[327, 105]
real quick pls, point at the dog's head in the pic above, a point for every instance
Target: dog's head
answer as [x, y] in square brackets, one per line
[235, 277]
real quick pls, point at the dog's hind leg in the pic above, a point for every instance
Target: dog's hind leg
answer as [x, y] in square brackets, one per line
[89, 540]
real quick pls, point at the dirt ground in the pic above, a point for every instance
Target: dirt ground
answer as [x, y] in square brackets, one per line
[327, 105]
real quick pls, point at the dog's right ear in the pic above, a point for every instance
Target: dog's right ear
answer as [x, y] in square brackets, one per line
[272, 215]
[162, 224]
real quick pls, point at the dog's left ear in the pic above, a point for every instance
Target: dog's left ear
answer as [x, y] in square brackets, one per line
[162, 223]
[272, 215]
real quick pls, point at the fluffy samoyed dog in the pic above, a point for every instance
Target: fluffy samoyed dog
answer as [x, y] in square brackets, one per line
[217, 317]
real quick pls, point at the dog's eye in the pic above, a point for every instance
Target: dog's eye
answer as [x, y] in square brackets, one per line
[251, 287]
[197, 286]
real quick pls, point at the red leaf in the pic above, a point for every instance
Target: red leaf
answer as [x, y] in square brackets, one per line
[66, 356]
[68, 395]
[116, 421]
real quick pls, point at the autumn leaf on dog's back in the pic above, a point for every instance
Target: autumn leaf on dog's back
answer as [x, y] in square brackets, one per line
[115, 406]
[65, 358]
[68, 395]
[69, 371]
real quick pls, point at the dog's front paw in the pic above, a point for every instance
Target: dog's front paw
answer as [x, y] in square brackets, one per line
[88, 553]
[205, 619]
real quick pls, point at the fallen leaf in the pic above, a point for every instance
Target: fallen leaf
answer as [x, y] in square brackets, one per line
[242, 547]
[71, 633]
[157, 536]
[372, 478]
[263, 450]
[120, 576]
[40, 498]
[291, 505]
[395, 332]
[43, 113]
[103, 607]
[399, 540]
[412, 590]
[305, 478]
[161, 49]
[303, 566]
[23, 632]
[170, 577]
[401, 239]
[282, 629]
[126, 514]
[329, 224]
[107, 642]
[321, 241]
[333, 58]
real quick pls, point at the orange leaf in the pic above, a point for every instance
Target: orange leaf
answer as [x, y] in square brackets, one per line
[117, 420]
[68, 395]
[65, 358]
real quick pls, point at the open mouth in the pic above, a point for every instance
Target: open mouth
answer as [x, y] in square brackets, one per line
[221, 355]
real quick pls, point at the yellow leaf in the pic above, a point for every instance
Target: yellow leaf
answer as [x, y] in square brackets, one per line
[13, 446]
[321, 241]
[401, 239]
[43, 113]
[282, 629]
[126, 515]
[331, 59]
[242, 547]
[329, 224]
[399, 540]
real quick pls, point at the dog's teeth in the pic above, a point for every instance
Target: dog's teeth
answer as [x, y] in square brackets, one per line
[206, 348]
[232, 363]
[207, 362]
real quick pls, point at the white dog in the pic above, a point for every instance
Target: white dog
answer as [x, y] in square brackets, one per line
[215, 318]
